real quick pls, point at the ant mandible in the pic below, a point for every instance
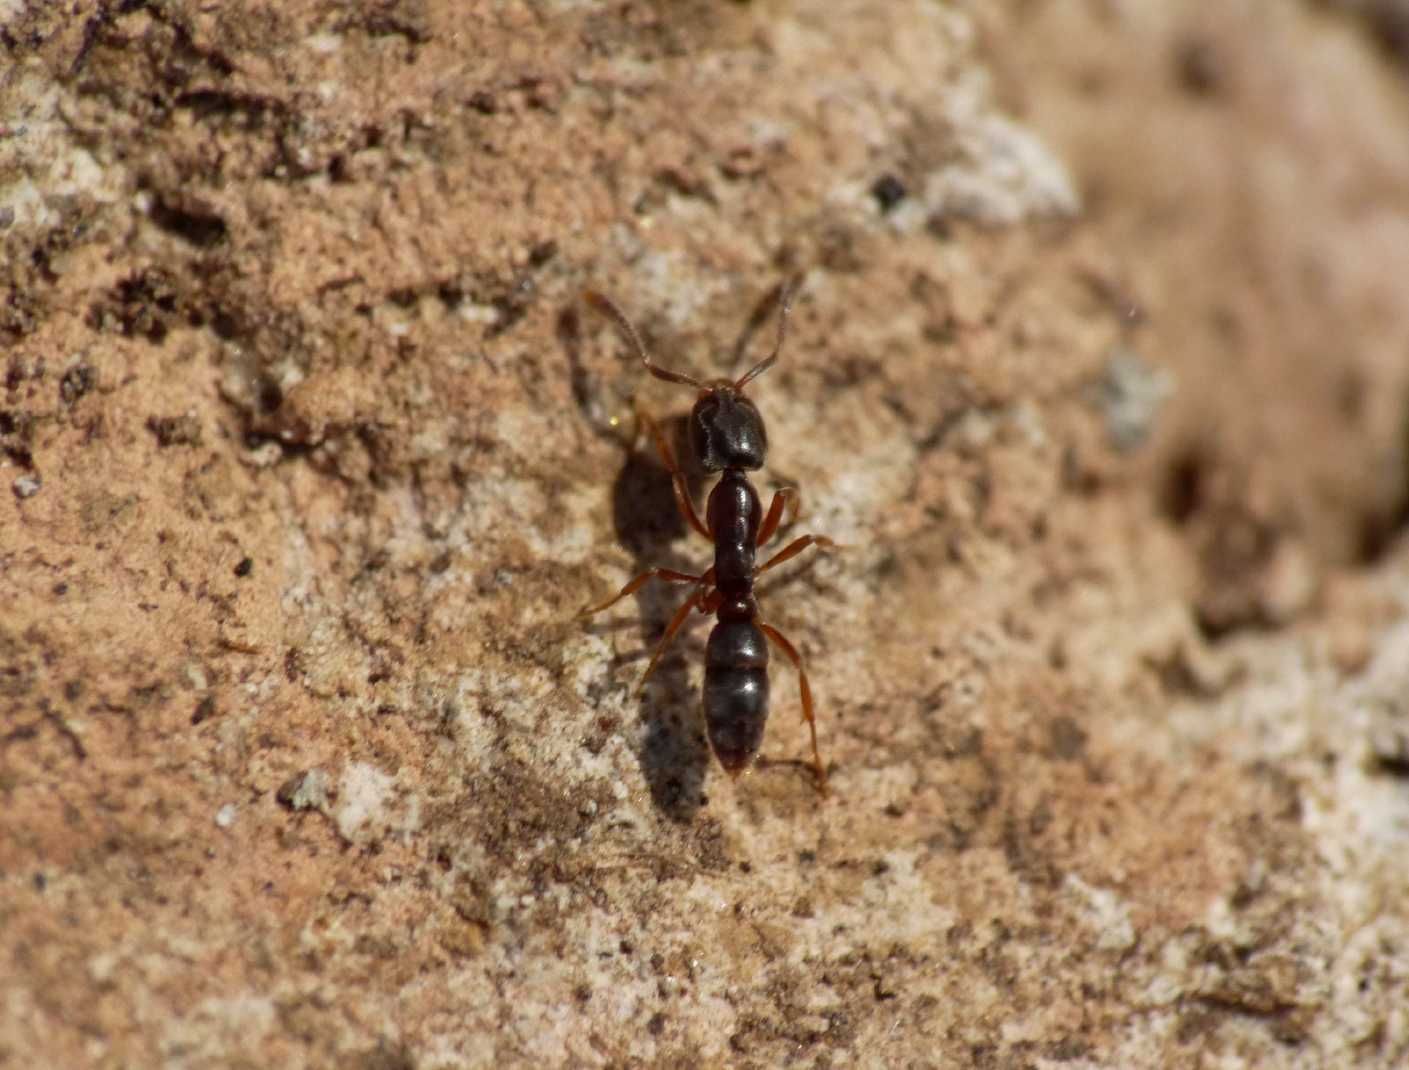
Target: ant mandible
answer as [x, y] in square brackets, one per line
[727, 435]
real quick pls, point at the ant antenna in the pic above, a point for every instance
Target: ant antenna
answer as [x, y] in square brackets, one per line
[605, 306]
[785, 304]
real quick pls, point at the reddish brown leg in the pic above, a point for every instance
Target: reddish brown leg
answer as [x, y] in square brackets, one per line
[797, 546]
[636, 584]
[807, 713]
[677, 477]
[781, 499]
[670, 630]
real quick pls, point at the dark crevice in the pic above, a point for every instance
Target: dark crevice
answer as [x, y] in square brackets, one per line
[201, 228]
[1388, 22]
[208, 104]
[269, 396]
[1379, 532]
[1380, 529]
[141, 305]
[1182, 491]
[16, 436]
[1393, 765]
[97, 31]
[407, 20]
[228, 326]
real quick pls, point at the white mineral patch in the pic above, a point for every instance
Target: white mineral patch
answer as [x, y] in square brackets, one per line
[364, 796]
[1106, 914]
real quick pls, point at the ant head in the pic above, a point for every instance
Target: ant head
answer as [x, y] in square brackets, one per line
[726, 429]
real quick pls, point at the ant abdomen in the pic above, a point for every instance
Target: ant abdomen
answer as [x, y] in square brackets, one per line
[736, 692]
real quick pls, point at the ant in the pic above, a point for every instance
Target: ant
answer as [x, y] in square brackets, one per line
[727, 435]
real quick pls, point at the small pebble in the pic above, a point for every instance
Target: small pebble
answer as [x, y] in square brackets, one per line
[1131, 393]
[305, 791]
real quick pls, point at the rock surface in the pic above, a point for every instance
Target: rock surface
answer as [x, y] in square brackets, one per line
[1099, 370]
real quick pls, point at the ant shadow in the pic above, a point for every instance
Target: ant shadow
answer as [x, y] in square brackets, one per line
[674, 754]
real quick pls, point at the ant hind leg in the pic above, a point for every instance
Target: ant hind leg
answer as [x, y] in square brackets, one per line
[670, 630]
[635, 585]
[808, 714]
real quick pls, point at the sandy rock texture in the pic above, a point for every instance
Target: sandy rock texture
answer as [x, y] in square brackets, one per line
[310, 451]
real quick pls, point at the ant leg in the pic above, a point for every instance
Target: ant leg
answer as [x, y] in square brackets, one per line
[670, 630]
[797, 546]
[635, 585]
[781, 499]
[807, 713]
[677, 477]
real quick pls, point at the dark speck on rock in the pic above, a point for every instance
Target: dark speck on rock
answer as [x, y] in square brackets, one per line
[888, 191]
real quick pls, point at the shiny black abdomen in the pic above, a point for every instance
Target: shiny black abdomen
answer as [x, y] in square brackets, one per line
[733, 515]
[736, 691]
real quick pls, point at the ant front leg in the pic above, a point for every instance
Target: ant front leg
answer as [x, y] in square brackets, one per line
[677, 477]
[808, 715]
[782, 498]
